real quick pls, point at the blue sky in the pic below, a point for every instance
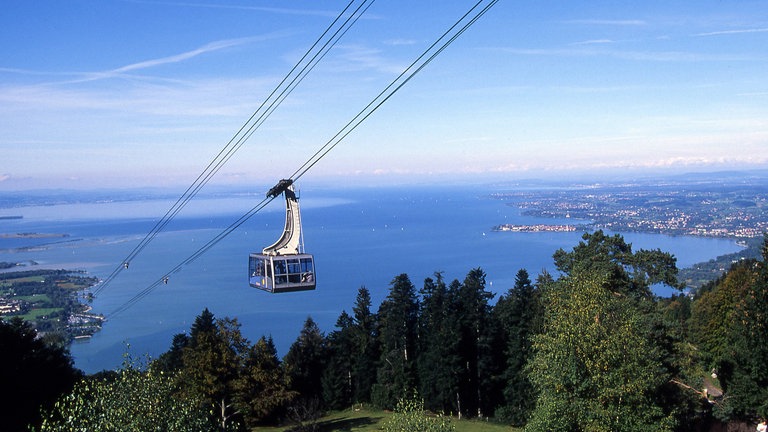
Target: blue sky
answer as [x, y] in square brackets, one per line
[113, 93]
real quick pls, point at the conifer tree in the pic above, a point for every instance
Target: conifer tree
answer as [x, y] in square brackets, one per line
[262, 388]
[515, 313]
[439, 362]
[213, 363]
[398, 317]
[305, 361]
[173, 359]
[472, 313]
[337, 375]
[366, 350]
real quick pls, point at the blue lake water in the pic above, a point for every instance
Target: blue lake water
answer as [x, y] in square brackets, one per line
[358, 237]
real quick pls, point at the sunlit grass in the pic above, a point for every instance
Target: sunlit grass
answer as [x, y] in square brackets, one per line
[373, 420]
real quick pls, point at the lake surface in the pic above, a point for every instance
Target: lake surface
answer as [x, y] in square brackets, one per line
[358, 238]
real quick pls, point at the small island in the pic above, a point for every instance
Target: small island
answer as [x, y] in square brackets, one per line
[535, 228]
[32, 235]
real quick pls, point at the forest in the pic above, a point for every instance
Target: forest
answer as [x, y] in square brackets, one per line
[589, 349]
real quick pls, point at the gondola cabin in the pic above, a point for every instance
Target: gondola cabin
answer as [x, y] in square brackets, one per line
[282, 273]
[283, 266]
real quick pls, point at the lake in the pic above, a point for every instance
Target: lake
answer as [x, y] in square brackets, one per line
[360, 237]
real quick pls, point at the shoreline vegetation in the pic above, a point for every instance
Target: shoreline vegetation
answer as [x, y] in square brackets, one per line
[55, 302]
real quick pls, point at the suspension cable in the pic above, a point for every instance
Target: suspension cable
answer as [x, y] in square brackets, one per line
[305, 65]
[448, 37]
[402, 79]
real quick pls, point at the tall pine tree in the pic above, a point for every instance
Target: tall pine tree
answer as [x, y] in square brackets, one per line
[475, 335]
[398, 318]
[516, 313]
[262, 387]
[366, 349]
[337, 375]
[305, 362]
[439, 362]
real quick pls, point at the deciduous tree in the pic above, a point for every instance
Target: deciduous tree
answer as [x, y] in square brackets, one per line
[133, 401]
[593, 366]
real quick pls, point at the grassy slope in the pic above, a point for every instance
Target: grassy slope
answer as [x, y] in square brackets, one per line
[373, 420]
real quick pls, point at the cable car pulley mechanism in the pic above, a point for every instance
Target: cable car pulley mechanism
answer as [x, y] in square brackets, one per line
[283, 266]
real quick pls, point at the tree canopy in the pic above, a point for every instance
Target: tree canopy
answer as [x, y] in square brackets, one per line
[592, 349]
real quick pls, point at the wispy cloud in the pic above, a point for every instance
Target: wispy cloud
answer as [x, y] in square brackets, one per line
[400, 42]
[361, 57]
[594, 42]
[732, 32]
[176, 58]
[657, 56]
[283, 11]
[207, 48]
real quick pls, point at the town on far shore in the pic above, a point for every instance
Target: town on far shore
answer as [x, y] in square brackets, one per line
[56, 302]
[723, 205]
[737, 211]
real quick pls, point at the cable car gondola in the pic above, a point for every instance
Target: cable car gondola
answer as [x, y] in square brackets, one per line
[283, 266]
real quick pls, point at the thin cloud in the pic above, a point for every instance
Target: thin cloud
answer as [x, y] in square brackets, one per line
[594, 42]
[210, 47]
[283, 11]
[207, 48]
[731, 32]
[361, 57]
[656, 56]
[177, 58]
[400, 42]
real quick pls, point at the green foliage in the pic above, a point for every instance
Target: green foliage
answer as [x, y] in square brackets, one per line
[305, 361]
[439, 360]
[624, 271]
[715, 311]
[593, 367]
[365, 353]
[409, 416]
[475, 344]
[739, 346]
[398, 317]
[261, 391]
[234, 378]
[133, 400]
[515, 314]
[591, 351]
[602, 362]
[173, 359]
[213, 363]
[337, 376]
